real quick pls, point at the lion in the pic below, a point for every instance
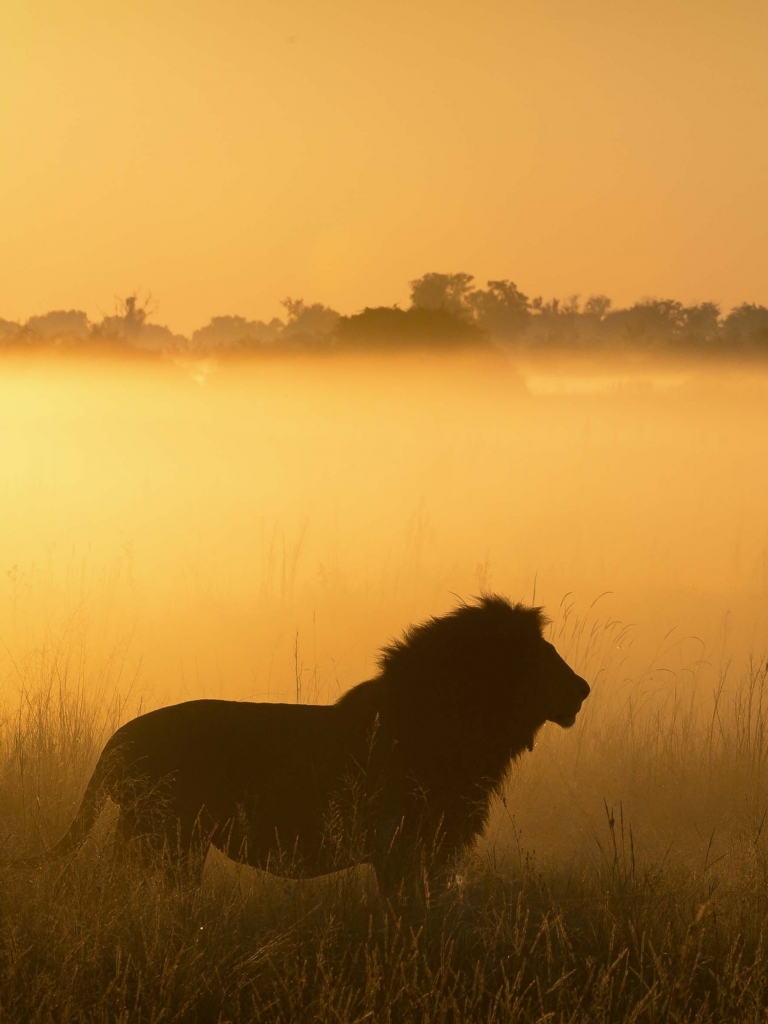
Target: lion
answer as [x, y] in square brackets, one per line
[398, 773]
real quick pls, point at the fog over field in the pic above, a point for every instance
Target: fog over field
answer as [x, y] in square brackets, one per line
[202, 518]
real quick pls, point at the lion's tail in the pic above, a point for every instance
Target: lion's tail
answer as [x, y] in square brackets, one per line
[94, 798]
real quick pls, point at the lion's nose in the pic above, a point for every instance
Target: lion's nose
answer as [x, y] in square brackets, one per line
[584, 685]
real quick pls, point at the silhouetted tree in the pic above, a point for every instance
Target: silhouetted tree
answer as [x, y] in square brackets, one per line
[414, 328]
[58, 326]
[746, 326]
[451, 292]
[127, 321]
[129, 326]
[648, 323]
[501, 309]
[701, 324]
[597, 306]
[308, 326]
[10, 331]
[557, 322]
[236, 333]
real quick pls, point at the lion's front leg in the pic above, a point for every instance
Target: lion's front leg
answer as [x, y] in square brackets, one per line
[413, 866]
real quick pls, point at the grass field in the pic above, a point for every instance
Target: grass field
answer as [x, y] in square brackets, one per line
[258, 536]
[624, 877]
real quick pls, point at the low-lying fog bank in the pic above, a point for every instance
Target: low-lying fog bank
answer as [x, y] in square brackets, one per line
[207, 514]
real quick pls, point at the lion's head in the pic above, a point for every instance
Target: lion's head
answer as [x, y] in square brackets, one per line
[483, 674]
[561, 690]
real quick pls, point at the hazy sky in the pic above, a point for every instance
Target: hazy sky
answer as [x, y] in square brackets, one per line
[224, 155]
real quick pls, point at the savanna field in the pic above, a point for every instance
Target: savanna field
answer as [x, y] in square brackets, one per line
[257, 530]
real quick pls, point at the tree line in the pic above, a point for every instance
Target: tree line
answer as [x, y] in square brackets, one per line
[445, 311]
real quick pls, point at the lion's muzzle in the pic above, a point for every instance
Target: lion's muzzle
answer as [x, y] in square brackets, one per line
[581, 690]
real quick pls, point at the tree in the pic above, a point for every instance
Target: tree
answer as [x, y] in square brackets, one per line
[747, 326]
[502, 309]
[556, 323]
[236, 333]
[309, 326]
[128, 319]
[451, 292]
[387, 327]
[130, 327]
[597, 306]
[59, 325]
[648, 323]
[701, 323]
[10, 331]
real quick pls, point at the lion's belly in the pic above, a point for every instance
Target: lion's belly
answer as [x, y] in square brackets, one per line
[293, 841]
[282, 815]
[287, 857]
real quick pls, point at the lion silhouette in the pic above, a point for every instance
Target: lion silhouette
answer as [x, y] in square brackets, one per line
[398, 773]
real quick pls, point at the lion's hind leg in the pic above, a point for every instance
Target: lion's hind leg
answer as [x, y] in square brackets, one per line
[162, 840]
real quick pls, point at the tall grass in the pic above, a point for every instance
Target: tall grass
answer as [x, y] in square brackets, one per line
[624, 877]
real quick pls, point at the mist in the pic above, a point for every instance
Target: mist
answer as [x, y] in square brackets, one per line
[259, 530]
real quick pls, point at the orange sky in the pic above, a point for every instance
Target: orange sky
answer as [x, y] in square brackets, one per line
[224, 155]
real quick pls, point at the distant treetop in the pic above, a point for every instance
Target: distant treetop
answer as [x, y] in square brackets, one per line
[417, 327]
